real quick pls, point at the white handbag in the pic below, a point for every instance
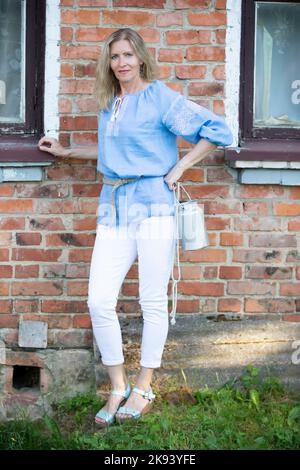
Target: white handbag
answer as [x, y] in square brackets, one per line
[190, 229]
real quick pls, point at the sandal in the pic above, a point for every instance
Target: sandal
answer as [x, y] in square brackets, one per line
[134, 414]
[109, 418]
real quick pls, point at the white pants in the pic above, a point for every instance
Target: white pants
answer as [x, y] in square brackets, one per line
[115, 249]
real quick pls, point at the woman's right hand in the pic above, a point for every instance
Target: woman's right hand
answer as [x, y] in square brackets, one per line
[51, 145]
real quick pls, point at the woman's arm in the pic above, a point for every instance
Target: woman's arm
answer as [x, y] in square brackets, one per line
[200, 151]
[51, 145]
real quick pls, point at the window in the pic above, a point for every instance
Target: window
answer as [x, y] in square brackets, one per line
[22, 45]
[270, 82]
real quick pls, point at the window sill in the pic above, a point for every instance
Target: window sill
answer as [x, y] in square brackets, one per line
[22, 149]
[266, 162]
[270, 154]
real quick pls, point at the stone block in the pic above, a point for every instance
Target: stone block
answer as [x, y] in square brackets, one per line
[33, 334]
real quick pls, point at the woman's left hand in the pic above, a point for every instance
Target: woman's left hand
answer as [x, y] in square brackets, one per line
[173, 176]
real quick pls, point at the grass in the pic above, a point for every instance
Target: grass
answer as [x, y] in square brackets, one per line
[249, 412]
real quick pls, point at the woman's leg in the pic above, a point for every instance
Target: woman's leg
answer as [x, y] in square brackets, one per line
[155, 245]
[113, 254]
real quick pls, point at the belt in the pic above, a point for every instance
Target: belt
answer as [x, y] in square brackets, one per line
[116, 184]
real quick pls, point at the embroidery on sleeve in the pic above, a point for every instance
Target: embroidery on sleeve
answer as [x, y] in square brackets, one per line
[180, 117]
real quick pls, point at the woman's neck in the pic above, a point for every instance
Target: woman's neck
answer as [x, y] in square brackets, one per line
[132, 88]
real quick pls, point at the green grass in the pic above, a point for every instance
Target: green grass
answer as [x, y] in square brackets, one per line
[250, 412]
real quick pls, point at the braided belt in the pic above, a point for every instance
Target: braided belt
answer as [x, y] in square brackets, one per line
[116, 184]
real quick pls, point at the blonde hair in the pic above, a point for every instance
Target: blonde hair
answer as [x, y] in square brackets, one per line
[107, 85]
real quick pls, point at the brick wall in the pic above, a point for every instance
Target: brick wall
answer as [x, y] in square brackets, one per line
[47, 229]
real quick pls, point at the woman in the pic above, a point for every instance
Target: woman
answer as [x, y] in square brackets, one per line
[139, 120]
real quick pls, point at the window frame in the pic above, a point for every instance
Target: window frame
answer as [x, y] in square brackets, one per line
[255, 144]
[18, 141]
[247, 82]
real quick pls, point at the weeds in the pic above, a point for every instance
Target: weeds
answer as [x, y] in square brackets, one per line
[249, 412]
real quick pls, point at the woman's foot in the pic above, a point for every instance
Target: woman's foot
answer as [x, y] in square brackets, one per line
[138, 403]
[106, 415]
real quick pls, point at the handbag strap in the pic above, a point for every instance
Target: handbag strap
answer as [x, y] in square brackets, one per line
[176, 251]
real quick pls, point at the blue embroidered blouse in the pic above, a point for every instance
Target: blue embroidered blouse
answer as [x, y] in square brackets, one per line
[140, 139]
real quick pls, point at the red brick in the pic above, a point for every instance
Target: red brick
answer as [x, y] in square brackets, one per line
[88, 223]
[247, 287]
[273, 240]
[220, 4]
[140, 3]
[70, 239]
[6, 189]
[93, 34]
[206, 255]
[16, 206]
[66, 34]
[4, 254]
[37, 288]
[294, 225]
[86, 105]
[4, 289]
[219, 72]
[26, 306]
[82, 255]
[9, 321]
[231, 239]
[170, 55]
[188, 37]
[23, 358]
[85, 70]
[211, 289]
[12, 223]
[219, 107]
[220, 36]
[77, 271]
[231, 272]
[6, 271]
[79, 52]
[77, 288]
[85, 190]
[291, 318]
[217, 223]
[25, 271]
[206, 191]
[80, 16]
[43, 223]
[190, 71]
[191, 3]
[28, 238]
[229, 305]
[286, 209]
[149, 35]
[64, 306]
[258, 224]
[66, 70]
[208, 53]
[31, 254]
[92, 3]
[256, 256]
[123, 18]
[85, 138]
[82, 321]
[6, 306]
[257, 208]
[207, 19]
[260, 191]
[64, 105]
[169, 19]
[269, 305]
[290, 289]
[206, 89]
[72, 172]
[268, 272]
[210, 272]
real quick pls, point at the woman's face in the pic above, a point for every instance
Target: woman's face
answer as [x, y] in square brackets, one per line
[124, 62]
